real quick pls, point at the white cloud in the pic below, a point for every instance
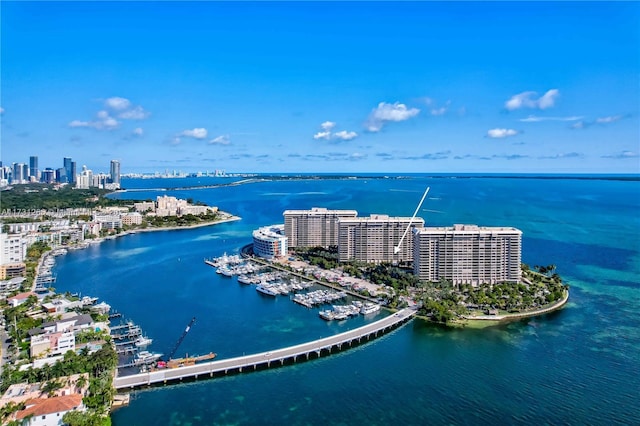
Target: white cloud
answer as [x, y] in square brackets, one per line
[117, 103]
[536, 119]
[328, 125]
[609, 119]
[528, 100]
[137, 113]
[385, 112]
[138, 131]
[220, 140]
[578, 125]
[104, 122]
[322, 135]
[78, 123]
[1, 110]
[197, 133]
[501, 133]
[548, 99]
[345, 136]
[327, 135]
[176, 140]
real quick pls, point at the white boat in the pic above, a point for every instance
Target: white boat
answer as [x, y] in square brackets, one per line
[146, 357]
[143, 341]
[370, 308]
[244, 279]
[327, 315]
[265, 290]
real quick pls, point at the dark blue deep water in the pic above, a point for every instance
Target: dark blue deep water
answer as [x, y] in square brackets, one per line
[580, 365]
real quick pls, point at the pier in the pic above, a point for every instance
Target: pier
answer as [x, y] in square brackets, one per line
[263, 360]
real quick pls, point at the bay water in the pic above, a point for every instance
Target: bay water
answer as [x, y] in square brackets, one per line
[580, 365]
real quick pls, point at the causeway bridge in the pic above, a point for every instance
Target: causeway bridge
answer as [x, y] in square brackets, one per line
[263, 360]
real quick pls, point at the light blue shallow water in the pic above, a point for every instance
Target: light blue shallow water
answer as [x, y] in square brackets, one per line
[576, 366]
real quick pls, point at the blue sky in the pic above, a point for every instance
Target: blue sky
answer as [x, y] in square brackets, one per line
[323, 87]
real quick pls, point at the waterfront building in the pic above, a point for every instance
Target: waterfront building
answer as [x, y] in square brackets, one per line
[468, 254]
[133, 218]
[373, 239]
[108, 221]
[315, 227]
[115, 172]
[270, 242]
[13, 248]
[33, 167]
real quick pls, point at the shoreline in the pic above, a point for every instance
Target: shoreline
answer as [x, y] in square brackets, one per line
[488, 320]
[177, 228]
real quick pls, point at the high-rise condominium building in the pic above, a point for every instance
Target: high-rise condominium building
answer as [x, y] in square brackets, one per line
[115, 172]
[468, 254]
[315, 227]
[33, 167]
[373, 239]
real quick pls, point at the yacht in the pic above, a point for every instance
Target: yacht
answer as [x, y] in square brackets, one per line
[265, 290]
[369, 308]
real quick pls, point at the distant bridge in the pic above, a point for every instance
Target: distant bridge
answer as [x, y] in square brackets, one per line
[263, 360]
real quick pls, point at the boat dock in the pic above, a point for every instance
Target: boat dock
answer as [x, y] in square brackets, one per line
[263, 360]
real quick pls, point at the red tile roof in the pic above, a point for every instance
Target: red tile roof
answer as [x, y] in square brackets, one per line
[44, 406]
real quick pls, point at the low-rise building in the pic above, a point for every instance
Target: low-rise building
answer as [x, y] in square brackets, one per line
[129, 219]
[19, 298]
[52, 344]
[49, 411]
[12, 270]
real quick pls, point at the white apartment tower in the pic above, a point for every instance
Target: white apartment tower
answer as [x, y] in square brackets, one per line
[315, 227]
[468, 254]
[373, 239]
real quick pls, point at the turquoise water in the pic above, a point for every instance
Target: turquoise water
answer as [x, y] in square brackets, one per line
[576, 366]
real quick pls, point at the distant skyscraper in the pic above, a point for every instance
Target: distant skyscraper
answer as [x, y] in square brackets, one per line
[33, 166]
[67, 169]
[73, 176]
[115, 172]
[61, 175]
[19, 173]
[48, 175]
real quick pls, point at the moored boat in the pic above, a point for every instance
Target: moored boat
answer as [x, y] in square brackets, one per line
[265, 290]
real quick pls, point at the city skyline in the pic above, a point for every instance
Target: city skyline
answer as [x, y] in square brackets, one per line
[323, 87]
